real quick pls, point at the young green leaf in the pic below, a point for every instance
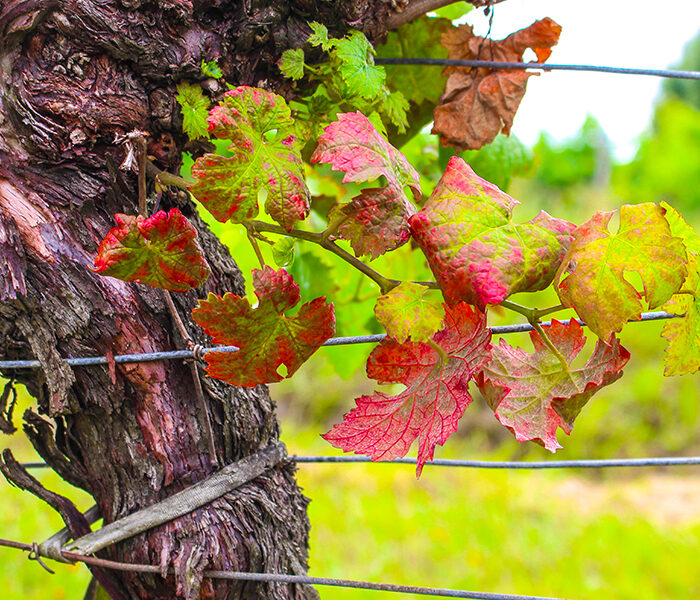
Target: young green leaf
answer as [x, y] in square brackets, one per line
[357, 66]
[291, 63]
[591, 277]
[211, 69]
[436, 394]
[319, 37]
[265, 157]
[478, 255]
[266, 337]
[194, 106]
[160, 251]
[410, 312]
[283, 251]
[532, 394]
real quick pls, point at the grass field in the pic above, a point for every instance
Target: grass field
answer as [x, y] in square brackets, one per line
[625, 536]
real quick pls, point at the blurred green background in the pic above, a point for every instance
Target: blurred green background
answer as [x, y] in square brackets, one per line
[616, 534]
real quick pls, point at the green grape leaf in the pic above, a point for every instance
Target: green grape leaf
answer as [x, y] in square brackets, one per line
[211, 69]
[266, 337]
[533, 395]
[683, 335]
[436, 395]
[500, 160]
[314, 276]
[319, 37]
[160, 251]
[265, 157]
[418, 39]
[454, 11]
[477, 254]
[194, 106]
[591, 278]
[357, 67]
[283, 252]
[410, 312]
[395, 107]
[291, 63]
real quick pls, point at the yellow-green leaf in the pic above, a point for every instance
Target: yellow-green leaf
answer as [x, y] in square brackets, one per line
[410, 312]
[592, 280]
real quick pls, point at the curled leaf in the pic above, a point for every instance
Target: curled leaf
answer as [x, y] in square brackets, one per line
[533, 395]
[479, 103]
[160, 251]
[265, 159]
[384, 426]
[266, 337]
[477, 253]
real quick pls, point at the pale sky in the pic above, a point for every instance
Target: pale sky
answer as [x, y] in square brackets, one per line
[620, 33]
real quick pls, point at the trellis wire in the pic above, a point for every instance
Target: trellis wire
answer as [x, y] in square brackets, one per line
[339, 341]
[657, 461]
[281, 578]
[452, 62]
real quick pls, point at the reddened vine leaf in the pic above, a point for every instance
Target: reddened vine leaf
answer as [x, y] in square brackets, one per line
[266, 337]
[477, 104]
[376, 221]
[533, 395]
[353, 145]
[265, 158]
[478, 255]
[591, 279]
[410, 312]
[436, 394]
[160, 251]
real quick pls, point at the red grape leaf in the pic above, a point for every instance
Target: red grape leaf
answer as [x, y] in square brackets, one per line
[591, 278]
[532, 394]
[374, 222]
[436, 394]
[410, 311]
[478, 103]
[266, 337]
[160, 251]
[478, 255]
[353, 145]
[265, 157]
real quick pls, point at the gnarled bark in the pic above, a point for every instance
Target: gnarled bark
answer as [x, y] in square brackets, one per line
[76, 75]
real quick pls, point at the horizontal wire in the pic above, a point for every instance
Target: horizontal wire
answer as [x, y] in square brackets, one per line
[338, 341]
[669, 73]
[658, 461]
[281, 578]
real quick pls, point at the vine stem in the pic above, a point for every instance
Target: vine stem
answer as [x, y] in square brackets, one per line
[441, 352]
[552, 348]
[385, 284]
[250, 230]
[205, 423]
[416, 8]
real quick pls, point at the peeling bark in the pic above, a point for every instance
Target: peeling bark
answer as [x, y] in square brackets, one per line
[76, 75]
